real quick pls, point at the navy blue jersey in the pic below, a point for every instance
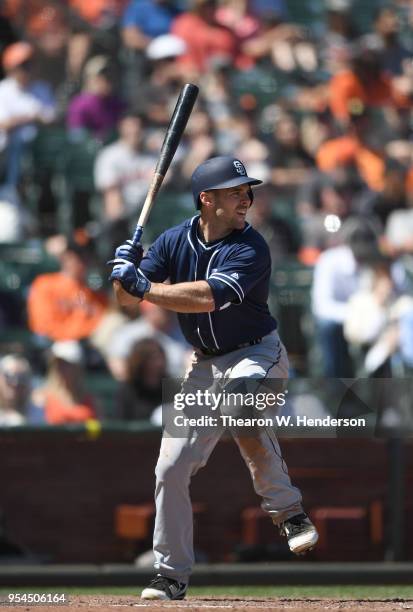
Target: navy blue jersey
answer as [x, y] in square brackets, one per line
[237, 268]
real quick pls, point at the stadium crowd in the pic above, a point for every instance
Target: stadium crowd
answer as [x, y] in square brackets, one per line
[314, 97]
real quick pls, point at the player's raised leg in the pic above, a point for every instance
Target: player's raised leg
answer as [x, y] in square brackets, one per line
[262, 454]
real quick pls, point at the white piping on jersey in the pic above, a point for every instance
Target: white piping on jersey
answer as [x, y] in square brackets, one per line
[212, 330]
[207, 273]
[208, 248]
[194, 250]
[217, 276]
[209, 314]
[200, 337]
[139, 270]
[196, 273]
[230, 280]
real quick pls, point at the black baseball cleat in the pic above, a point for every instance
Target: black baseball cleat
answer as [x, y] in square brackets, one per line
[301, 534]
[163, 588]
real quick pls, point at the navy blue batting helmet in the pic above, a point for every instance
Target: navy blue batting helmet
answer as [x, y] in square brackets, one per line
[220, 173]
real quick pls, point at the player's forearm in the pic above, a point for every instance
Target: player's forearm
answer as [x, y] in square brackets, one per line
[183, 297]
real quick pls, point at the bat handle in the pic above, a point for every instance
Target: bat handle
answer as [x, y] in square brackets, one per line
[137, 235]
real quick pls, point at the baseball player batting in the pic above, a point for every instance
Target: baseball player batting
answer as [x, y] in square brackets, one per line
[219, 269]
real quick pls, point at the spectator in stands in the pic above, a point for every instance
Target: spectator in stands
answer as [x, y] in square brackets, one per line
[99, 13]
[206, 40]
[354, 149]
[157, 323]
[198, 146]
[23, 104]
[146, 19]
[387, 29]
[391, 197]
[323, 197]
[340, 32]
[285, 44]
[49, 30]
[242, 136]
[143, 21]
[123, 171]
[364, 80]
[277, 232]
[373, 316]
[68, 83]
[162, 80]
[238, 17]
[63, 396]
[336, 278]
[16, 404]
[398, 235]
[60, 305]
[97, 109]
[289, 161]
[141, 392]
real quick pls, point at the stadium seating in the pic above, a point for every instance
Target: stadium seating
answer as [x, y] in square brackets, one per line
[78, 179]
[20, 263]
[290, 302]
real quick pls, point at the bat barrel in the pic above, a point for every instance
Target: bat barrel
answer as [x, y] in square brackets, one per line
[171, 141]
[177, 126]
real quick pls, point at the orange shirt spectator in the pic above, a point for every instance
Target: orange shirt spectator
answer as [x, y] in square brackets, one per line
[58, 412]
[205, 38]
[61, 306]
[93, 10]
[347, 86]
[350, 150]
[64, 397]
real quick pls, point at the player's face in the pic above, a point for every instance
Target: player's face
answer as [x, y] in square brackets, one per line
[231, 206]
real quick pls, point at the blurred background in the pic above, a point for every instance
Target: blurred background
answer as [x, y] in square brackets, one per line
[316, 99]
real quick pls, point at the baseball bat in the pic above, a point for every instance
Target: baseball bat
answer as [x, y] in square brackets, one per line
[172, 138]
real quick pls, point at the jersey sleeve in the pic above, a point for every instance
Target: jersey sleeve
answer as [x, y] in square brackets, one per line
[235, 278]
[155, 263]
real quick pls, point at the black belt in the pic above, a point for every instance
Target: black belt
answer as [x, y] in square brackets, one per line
[216, 352]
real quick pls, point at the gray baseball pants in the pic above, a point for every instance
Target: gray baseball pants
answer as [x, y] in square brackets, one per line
[180, 458]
